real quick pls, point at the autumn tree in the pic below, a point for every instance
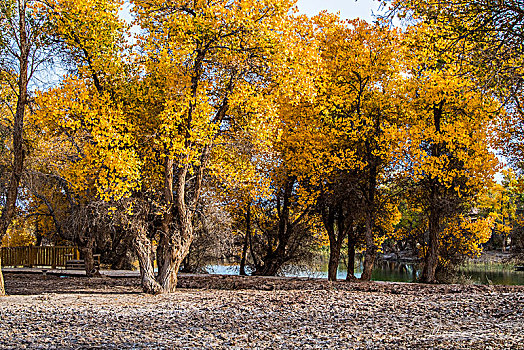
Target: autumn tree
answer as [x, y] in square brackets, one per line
[242, 177]
[448, 142]
[344, 135]
[503, 203]
[202, 61]
[488, 36]
[24, 48]
[85, 158]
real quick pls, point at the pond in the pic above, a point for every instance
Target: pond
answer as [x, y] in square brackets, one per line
[392, 271]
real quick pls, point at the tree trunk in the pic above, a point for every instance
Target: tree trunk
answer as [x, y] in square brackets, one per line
[143, 248]
[334, 258]
[89, 260]
[369, 256]
[167, 273]
[167, 264]
[18, 126]
[351, 256]
[176, 236]
[166, 251]
[243, 257]
[275, 259]
[246, 241]
[2, 288]
[271, 267]
[431, 258]
[256, 263]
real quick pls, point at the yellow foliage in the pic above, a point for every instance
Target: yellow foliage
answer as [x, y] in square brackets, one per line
[19, 234]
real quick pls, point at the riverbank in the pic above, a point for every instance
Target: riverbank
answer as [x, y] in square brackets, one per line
[233, 312]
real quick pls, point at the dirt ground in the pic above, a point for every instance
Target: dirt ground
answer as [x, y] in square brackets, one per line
[233, 312]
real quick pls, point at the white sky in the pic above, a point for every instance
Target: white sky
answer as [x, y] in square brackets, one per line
[349, 9]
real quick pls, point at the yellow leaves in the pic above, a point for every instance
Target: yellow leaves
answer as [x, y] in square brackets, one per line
[19, 234]
[450, 126]
[341, 97]
[91, 32]
[97, 155]
[465, 235]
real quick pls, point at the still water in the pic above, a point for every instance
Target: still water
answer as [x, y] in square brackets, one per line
[392, 271]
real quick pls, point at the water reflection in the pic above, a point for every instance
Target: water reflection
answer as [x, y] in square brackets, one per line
[390, 271]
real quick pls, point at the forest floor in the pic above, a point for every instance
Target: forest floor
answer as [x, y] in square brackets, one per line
[233, 312]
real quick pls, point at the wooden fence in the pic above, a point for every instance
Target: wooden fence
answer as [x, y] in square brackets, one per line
[38, 256]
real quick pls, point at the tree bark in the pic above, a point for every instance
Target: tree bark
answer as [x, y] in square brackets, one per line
[334, 259]
[369, 256]
[246, 241]
[89, 260]
[143, 248]
[351, 256]
[18, 127]
[431, 258]
[275, 259]
[167, 264]
[175, 241]
[168, 272]
[336, 235]
[2, 288]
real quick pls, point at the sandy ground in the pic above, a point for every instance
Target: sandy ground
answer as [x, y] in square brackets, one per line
[231, 312]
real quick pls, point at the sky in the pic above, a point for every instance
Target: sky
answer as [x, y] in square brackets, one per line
[349, 9]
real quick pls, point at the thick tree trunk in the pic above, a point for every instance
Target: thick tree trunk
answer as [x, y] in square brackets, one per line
[167, 247]
[256, 262]
[143, 249]
[89, 261]
[271, 267]
[168, 271]
[351, 257]
[334, 259]
[431, 258]
[175, 250]
[369, 256]
[176, 236]
[246, 241]
[167, 259]
[8, 211]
